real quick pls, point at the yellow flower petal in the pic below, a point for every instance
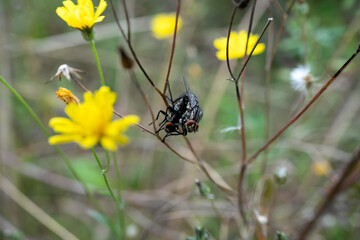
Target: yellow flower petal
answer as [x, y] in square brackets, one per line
[88, 141]
[237, 44]
[260, 48]
[82, 15]
[100, 9]
[122, 139]
[163, 25]
[87, 4]
[122, 124]
[99, 19]
[90, 122]
[60, 139]
[220, 43]
[108, 143]
[64, 125]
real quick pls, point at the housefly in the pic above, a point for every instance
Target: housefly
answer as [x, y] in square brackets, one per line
[182, 115]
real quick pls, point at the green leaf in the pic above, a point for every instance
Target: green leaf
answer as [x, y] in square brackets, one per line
[89, 172]
[99, 217]
[281, 236]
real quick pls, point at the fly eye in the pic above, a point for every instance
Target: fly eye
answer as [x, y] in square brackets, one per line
[169, 124]
[196, 127]
[190, 123]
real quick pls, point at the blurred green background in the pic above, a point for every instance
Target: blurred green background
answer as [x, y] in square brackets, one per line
[161, 198]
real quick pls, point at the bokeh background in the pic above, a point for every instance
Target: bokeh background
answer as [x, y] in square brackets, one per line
[162, 201]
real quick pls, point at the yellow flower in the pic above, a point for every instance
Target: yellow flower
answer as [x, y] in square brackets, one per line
[81, 16]
[321, 168]
[90, 122]
[237, 44]
[67, 96]
[163, 25]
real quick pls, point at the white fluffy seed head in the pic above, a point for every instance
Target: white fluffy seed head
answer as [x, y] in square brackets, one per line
[301, 78]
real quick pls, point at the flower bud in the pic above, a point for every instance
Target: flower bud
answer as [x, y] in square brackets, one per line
[126, 61]
[280, 175]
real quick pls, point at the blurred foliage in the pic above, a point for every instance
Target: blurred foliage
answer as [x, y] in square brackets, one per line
[158, 184]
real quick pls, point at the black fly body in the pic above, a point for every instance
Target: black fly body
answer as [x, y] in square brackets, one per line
[182, 115]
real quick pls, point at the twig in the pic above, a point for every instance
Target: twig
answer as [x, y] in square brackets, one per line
[282, 26]
[146, 100]
[246, 46]
[328, 199]
[251, 53]
[127, 20]
[243, 136]
[267, 97]
[166, 86]
[302, 111]
[227, 43]
[134, 54]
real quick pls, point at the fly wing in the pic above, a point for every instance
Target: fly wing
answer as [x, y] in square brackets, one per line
[193, 101]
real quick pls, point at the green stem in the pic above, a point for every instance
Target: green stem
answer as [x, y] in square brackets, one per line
[107, 161]
[97, 158]
[92, 42]
[118, 202]
[47, 133]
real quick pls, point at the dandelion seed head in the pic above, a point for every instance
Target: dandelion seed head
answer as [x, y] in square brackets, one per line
[301, 78]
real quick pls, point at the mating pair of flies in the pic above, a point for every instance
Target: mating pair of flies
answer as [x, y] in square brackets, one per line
[182, 114]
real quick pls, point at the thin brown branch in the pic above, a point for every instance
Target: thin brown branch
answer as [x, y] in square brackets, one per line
[284, 15]
[172, 49]
[143, 95]
[253, 49]
[127, 20]
[267, 97]
[146, 100]
[330, 197]
[303, 110]
[134, 53]
[227, 44]
[246, 46]
[242, 130]
[117, 21]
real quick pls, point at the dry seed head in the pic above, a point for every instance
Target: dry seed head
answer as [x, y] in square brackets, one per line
[67, 96]
[126, 61]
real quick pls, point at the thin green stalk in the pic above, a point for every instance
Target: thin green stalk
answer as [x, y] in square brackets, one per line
[107, 161]
[28, 108]
[47, 133]
[117, 201]
[92, 42]
[97, 158]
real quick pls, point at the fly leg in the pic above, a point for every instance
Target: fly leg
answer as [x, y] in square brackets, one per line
[171, 134]
[158, 115]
